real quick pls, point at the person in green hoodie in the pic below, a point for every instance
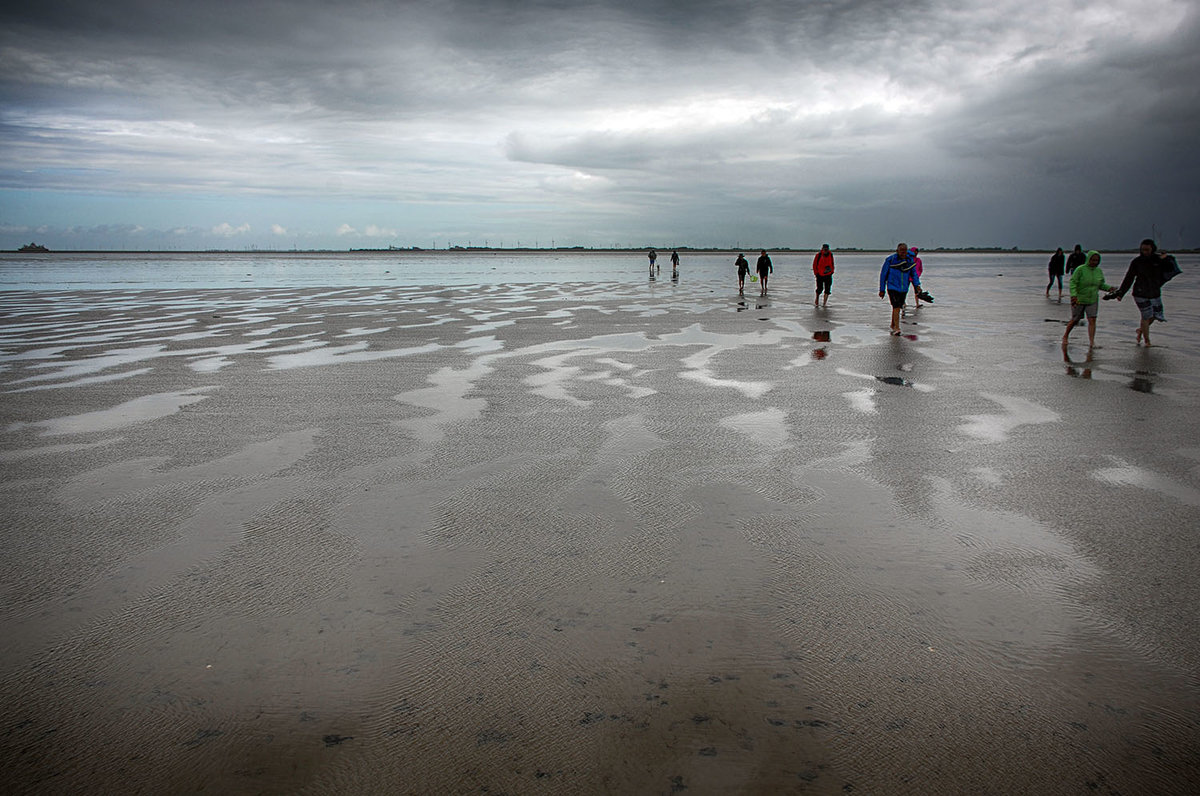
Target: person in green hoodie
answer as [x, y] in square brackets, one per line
[1086, 283]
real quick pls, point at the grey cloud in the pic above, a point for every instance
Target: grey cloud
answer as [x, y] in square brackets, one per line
[369, 55]
[490, 102]
[1117, 120]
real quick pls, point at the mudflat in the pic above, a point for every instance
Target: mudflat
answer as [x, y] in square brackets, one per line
[594, 538]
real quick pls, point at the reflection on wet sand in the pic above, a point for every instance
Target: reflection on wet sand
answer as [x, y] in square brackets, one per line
[1073, 368]
[1124, 474]
[1143, 381]
[573, 538]
[997, 427]
[138, 410]
[767, 428]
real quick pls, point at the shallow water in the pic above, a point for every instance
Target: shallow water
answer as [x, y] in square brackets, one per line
[598, 535]
[494, 269]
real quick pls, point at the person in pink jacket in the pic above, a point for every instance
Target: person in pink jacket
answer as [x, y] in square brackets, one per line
[823, 270]
[918, 267]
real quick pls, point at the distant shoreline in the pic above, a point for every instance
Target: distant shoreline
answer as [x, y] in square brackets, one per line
[563, 250]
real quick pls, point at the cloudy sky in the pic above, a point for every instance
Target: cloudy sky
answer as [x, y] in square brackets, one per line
[147, 124]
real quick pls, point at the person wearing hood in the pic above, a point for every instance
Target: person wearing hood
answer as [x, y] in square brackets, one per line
[823, 270]
[1086, 284]
[897, 273]
[1076, 259]
[1146, 275]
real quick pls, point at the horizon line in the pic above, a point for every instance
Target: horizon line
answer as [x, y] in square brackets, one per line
[619, 249]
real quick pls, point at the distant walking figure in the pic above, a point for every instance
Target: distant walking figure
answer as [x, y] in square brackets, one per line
[1086, 284]
[743, 268]
[764, 267]
[1146, 275]
[897, 273]
[653, 255]
[1076, 259]
[675, 261]
[823, 271]
[1056, 266]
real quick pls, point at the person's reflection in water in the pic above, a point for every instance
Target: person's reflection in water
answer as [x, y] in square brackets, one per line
[1144, 378]
[820, 337]
[1084, 373]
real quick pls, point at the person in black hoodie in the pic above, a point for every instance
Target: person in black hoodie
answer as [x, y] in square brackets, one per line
[1056, 268]
[1076, 259]
[1146, 275]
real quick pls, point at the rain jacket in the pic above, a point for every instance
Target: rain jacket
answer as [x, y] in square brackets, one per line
[1057, 264]
[1145, 275]
[823, 263]
[897, 274]
[1087, 282]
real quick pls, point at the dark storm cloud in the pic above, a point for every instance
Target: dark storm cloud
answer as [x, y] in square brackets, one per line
[355, 54]
[1104, 135]
[825, 112]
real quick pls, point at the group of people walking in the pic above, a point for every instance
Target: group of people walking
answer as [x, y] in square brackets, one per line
[823, 266]
[763, 269]
[901, 272]
[654, 267]
[1061, 264]
[1146, 275]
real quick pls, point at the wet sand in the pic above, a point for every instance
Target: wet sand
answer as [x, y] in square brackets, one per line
[595, 538]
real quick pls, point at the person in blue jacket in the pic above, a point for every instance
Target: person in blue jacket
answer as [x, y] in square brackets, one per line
[898, 272]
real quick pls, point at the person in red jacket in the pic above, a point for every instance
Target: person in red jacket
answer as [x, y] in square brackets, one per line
[823, 270]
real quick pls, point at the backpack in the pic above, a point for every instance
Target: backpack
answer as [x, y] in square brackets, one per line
[1171, 268]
